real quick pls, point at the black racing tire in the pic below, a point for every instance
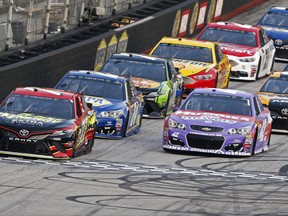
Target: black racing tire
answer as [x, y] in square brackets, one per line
[272, 65]
[269, 138]
[258, 69]
[165, 110]
[90, 144]
[254, 143]
[126, 125]
[227, 85]
[216, 81]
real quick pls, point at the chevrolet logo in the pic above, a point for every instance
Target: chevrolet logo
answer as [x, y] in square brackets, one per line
[206, 129]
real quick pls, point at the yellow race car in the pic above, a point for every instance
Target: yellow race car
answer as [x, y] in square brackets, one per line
[202, 64]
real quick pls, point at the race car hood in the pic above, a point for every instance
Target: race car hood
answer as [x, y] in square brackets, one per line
[188, 68]
[32, 122]
[275, 100]
[101, 104]
[276, 33]
[238, 50]
[211, 119]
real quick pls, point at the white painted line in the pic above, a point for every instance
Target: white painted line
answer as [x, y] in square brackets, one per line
[87, 162]
[148, 167]
[209, 171]
[189, 172]
[237, 173]
[124, 165]
[247, 176]
[179, 169]
[217, 174]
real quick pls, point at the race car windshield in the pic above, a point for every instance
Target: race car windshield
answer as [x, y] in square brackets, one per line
[178, 51]
[147, 70]
[276, 85]
[275, 19]
[94, 87]
[218, 103]
[229, 36]
[52, 107]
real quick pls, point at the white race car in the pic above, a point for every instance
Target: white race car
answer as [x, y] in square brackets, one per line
[250, 52]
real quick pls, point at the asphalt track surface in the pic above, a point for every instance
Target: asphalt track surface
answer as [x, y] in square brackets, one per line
[134, 176]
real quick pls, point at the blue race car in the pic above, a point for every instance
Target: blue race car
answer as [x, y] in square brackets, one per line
[118, 104]
[275, 24]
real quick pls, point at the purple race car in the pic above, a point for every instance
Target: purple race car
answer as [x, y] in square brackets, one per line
[219, 121]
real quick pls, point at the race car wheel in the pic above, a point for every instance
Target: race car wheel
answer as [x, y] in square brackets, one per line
[272, 65]
[90, 144]
[216, 81]
[269, 138]
[165, 110]
[258, 69]
[227, 85]
[126, 125]
[254, 143]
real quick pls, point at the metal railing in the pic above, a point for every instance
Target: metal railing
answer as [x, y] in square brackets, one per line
[24, 22]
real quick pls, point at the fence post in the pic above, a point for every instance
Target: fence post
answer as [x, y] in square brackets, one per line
[81, 16]
[65, 18]
[29, 22]
[9, 23]
[47, 18]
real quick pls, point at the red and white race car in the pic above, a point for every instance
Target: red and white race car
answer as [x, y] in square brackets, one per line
[250, 52]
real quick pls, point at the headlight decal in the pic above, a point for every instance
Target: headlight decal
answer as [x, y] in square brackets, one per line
[176, 125]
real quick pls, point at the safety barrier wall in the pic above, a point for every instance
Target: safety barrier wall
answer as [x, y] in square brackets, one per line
[181, 19]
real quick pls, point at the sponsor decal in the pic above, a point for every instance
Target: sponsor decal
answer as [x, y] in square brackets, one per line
[96, 101]
[275, 29]
[184, 23]
[279, 101]
[24, 132]
[22, 140]
[284, 111]
[278, 42]
[27, 118]
[202, 15]
[144, 83]
[194, 17]
[230, 49]
[189, 115]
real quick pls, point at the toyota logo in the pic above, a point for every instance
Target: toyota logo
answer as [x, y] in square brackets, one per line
[284, 111]
[278, 42]
[24, 132]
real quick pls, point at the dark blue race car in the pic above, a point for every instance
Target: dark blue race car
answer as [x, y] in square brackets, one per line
[118, 104]
[275, 24]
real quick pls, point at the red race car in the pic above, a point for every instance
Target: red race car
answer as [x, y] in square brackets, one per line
[46, 123]
[250, 52]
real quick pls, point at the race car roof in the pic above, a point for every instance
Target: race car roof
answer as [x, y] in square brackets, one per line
[186, 41]
[234, 26]
[138, 57]
[238, 93]
[44, 92]
[279, 10]
[97, 74]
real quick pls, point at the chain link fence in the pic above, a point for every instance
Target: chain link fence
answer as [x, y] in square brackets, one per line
[24, 22]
